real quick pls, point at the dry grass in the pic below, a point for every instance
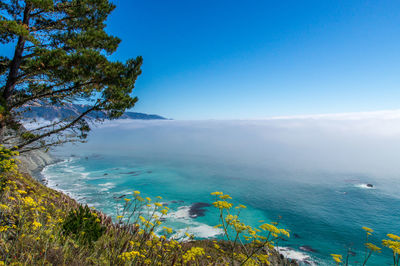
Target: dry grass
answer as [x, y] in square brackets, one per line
[34, 221]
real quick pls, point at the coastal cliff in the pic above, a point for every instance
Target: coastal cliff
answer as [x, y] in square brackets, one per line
[52, 228]
[33, 162]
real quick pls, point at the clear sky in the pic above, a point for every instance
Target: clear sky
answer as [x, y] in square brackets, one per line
[208, 59]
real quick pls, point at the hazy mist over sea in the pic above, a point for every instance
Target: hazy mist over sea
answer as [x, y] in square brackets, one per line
[364, 142]
[311, 170]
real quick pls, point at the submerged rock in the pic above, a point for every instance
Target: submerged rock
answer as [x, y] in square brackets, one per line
[120, 197]
[133, 173]
[307, 248]
[177, 201]
[352, 253]
[198, 209]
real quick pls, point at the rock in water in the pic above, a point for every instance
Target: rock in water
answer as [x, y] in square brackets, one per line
[370, 185]
[307, 248]
[198, 209]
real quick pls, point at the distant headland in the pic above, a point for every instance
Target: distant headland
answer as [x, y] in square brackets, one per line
[59, 112]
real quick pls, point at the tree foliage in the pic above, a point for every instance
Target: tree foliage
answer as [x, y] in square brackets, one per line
[61, 52]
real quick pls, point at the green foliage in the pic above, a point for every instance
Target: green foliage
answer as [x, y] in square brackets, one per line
[40, 226]
[28, 135]
[83, 225]
[60, 57]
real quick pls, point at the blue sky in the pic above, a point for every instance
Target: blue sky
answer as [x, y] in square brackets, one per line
[252, 59]
[255, 59]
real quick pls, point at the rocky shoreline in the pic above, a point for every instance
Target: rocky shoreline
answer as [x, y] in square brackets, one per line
[33, 162]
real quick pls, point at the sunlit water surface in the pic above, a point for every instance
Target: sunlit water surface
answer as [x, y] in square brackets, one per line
[311, 173]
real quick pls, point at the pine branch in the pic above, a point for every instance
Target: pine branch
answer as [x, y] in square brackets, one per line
[69, 125]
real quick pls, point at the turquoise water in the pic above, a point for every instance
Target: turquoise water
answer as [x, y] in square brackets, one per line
[324, 208]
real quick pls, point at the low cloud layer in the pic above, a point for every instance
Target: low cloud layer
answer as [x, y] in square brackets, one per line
[356, 142]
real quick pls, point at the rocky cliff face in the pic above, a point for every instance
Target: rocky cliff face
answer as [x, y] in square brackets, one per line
[33, 162]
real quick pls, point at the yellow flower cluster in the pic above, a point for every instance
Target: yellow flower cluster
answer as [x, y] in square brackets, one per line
[7, 162]
[230, 222]
[222, 204]
[337, 258]
[372, 247]
[136, 240]
[263, 258]
[29, 202]
[168, 230]
[367, 229]
[36, 225]
[128, 256]
[4, 228]
[274, 230]
[192, 253]
[394, 244]
[26, 207]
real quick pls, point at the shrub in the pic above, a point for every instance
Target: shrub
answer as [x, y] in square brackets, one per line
[83, 225]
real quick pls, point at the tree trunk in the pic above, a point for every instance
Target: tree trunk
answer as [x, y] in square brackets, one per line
[16, 62]
[13, 73]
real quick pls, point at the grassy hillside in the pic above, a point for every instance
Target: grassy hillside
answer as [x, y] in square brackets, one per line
[42, 226]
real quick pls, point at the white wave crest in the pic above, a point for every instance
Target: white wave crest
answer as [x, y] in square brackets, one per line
[295, 255]
[364, 186]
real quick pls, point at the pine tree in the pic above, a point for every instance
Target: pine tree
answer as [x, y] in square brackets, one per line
[60, 56]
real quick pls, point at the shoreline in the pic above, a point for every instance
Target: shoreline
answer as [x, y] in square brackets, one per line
[288, 256]
[34, 162]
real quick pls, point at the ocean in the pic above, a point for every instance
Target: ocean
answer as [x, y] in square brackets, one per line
[311, 175]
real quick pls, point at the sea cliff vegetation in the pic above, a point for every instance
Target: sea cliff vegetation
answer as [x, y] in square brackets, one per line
[39, 225]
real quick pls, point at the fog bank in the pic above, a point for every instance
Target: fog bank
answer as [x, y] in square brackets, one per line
[360, 142]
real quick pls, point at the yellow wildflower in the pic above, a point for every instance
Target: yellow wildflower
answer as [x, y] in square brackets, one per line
[225, 197]
[28, 201]
[129, 256]
[3, 228]
[192, 254]
[222, 204]
[22, 192]
[372, 247]
[168, 230]
[394, 237]
[367, 229]
[337, 258]
[36, 225]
